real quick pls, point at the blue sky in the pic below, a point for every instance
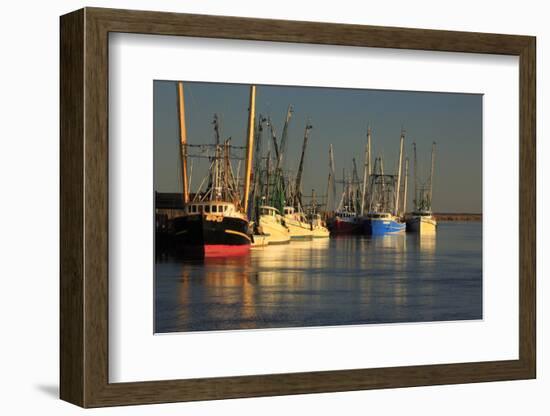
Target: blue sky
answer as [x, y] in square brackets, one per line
[340, 117]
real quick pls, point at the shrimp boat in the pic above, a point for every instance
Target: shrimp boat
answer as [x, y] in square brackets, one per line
[278, 194]
[318, 226]
[215, 222]
[269, 224]
[297, 223]
[383, 215]
[295, 219]
[422, 223]
[272, 225]
[382, 223]
[345, 221]
[422, 220]
[213, 228]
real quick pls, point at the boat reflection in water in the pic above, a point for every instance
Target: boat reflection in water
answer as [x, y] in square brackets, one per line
[337, 281]
[427, 242]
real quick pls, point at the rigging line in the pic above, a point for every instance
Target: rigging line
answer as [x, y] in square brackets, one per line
[190, 91]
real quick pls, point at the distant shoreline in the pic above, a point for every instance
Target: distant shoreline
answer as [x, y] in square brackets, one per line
[443, 216]
[454, 216]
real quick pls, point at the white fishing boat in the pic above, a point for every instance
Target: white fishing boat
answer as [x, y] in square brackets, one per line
[422, 220]
[297, 223]
[318, 227]
[272, 226]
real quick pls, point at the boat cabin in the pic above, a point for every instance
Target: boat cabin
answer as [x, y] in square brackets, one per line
[345, 214]
[290, 212]
[210, 207]
[380, 215]
[270, 211]
[422, 213]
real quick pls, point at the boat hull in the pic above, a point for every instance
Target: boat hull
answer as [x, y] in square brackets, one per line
[320, 232]
[259, 240]
[338, 227]
[422, 225]
[383, 226]
[211, 236]
[298, 230]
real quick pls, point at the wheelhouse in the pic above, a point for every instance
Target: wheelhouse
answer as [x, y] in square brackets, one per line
[210, 207]
[270, 211]
[380, 215]
[289, 210]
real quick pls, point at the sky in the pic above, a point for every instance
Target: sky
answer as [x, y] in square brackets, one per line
[339, 117]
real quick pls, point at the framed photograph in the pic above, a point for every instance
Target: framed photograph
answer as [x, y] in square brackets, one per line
[256, 207]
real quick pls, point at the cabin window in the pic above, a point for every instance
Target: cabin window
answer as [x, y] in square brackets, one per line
[199, 208]
[214, 208]
[207, 209]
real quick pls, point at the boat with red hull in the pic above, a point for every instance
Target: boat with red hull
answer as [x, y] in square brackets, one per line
[214, 223]
[344, 222]
[212, 229]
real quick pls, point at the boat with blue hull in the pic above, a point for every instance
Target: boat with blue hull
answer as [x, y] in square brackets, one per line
[382, 224]
[385, 195]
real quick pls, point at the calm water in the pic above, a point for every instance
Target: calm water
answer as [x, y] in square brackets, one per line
[337, 281]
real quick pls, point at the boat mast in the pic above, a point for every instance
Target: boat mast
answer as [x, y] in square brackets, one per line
[278, 193]
[431, 176]
[183, 142]
[256, 186]
[331, 186]
[355, 191]
[374, 185]
[267, 176]
[273, 137]
[216, 186]
[401, 142]
[366, 170]
[298, 184]
[342, 202]
[249, 146]
[405, 185]
[284, 135]
[415, 165]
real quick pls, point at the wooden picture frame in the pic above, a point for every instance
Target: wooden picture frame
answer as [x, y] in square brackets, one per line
[84, 207]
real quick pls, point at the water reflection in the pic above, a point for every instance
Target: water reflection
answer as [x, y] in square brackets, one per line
[427, 242]
[352, 280]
